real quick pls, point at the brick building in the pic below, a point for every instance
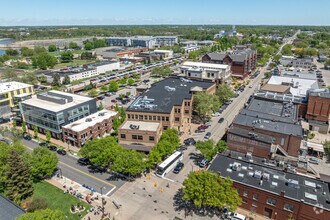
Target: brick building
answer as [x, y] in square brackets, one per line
[318, 110]
[274, 193]
[266, 127]
[242, 62]
[95, 125]
[169, 103]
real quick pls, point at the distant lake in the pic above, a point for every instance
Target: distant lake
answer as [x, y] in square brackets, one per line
[5, 41]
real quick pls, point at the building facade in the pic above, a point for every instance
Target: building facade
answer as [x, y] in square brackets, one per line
[305, 63]
[93, 126]
[274, 193]
[143, 41]
[53, 109]
[219, 73]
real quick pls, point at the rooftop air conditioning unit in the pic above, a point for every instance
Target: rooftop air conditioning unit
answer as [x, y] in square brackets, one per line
[88, 120]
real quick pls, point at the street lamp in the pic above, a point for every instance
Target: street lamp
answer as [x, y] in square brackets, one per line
[60, 172]
[103, 187]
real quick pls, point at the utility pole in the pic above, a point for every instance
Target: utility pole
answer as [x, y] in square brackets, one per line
[102, 200]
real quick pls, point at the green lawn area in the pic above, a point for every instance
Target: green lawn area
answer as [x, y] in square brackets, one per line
[73, 63]
[56, 199]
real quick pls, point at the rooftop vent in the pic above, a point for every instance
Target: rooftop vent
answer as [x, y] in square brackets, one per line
[310, 196]
[293, 183]
[88, 120]
[257, 174]
[169, 89]
[134, 127]
[101, 114]
[265, 176]
[237, 166]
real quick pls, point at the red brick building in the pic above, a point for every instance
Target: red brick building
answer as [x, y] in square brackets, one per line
[242, 62]
[93, 126]
[318, 110]
[274, 193]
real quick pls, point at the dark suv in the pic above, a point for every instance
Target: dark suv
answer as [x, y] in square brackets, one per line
[178, 168]
[83, 161]
[189, 141]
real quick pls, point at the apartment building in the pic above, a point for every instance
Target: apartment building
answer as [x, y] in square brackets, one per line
[53, 109]
[305, 63]
[165, 54]
[8, 92]
[119, 41]
[166, 40]
[143, 41]
[318, 110]
[242, 62]
[93, 126]
[219, 73]
[167, 104]
[266, 127]
[274, 193]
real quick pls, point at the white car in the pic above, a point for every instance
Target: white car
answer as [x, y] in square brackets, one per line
[314, 160]
[216, 114]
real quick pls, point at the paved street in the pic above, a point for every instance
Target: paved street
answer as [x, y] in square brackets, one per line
[81, 174]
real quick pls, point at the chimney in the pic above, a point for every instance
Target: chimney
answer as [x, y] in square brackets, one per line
[282, 193]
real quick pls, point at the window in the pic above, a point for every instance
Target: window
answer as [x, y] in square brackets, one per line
[128, 116]
[146, 117]
[140, 137]
[245, 194]
[167, 119]
[255, 196]
[254, 204]
[288, 207]
[154, 118]
[186, 111]
[163, 118]
[158, 118]
[177, 119]
[134, 137]
[123, 136]
[271, 201]
[150, 118]
[151, 138]
[141, 117]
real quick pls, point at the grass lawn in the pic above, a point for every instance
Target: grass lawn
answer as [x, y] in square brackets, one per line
[73, 63]
[56, 199]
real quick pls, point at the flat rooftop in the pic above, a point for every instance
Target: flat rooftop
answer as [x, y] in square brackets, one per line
[90, 120]
[165, 94]
[140, 125]
[56, 101]
[283, 109]
[296, 187]
[205, 65]
[248, 134]
[11, 86]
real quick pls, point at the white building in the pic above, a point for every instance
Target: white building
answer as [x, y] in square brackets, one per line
[286, 60]
[305, 63]
[166, 54]
[298, 86]
[143, 41]
[105, 66]
[218, 73]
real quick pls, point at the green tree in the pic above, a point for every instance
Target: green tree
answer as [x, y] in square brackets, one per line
[11, 52]
[93, 93]
[24, 126]
[224, 93]
[100, 106]
[123, 81]
[286, 50]
[207, 189]
[161, 71]
[45, 214]
[44, 60]
[10, 75]
[113, 86]
[39, 50]
[102, 151]
[52, 48]
[130, 81]
[35, 131]
[73, 45]
[56, 80]
[18, 181]
[129, 162]
[48, 135]
[221, 146]
[207, 148]
[104, 88]
[87, 56]
[14, 124]
[66, 80]
[326, 145]
[89, 46]
[66, 57]
[26, 52]
[205, 104]
[43, 163]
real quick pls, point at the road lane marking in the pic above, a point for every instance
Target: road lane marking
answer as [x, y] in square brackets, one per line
[87, 174]
[110, 191]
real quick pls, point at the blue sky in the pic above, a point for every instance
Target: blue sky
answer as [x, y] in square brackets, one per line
[117, 12]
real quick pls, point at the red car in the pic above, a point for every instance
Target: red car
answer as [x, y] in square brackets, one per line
[114, 100]
[202, 127]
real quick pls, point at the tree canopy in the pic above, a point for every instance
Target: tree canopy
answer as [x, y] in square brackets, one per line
[207, 189]
[113, 86]
[205, 104]
[44, 214]
[66, 57]
[224, 93]
[43, 162]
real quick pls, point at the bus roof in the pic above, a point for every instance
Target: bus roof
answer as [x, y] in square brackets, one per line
[168, 160]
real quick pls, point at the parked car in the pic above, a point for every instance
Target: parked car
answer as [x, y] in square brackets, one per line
[202, 127]
[43, 144]
[27, 137]
[61, 152]
[221, 120]
[208, 124]
[52, 148]
[189, 141]
[203, 163]
[83, 161]
[314, 160]
[4, 120]
[199, 130]
[207, 135]
[114, 100]
[178, 167]
[216, 114]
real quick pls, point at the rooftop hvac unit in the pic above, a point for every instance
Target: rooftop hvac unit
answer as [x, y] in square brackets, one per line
[101, 113]
[236, 166]
[134, 127]
[88, 120]
[169, 89]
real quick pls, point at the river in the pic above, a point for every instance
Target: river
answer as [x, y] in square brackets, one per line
[5, 41]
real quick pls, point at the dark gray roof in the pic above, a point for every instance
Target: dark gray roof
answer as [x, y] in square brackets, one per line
[238, 57]
[306, 190]
[248, 134]
[269, 125]
[285, 111]
[217, 56]
[158, 99]
[8, 209]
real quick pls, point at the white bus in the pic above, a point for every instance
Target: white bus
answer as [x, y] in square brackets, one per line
[169, 163]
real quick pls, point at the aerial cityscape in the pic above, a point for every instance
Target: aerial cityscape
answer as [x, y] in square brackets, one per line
[172, 110]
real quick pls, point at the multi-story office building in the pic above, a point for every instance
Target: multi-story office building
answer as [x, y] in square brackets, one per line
[119, 41]
[166, 40]
[167, 104]
[93, 126]
[143, 41]
[53, 109]
[8, 92]
[271, 192]
[219, 73]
